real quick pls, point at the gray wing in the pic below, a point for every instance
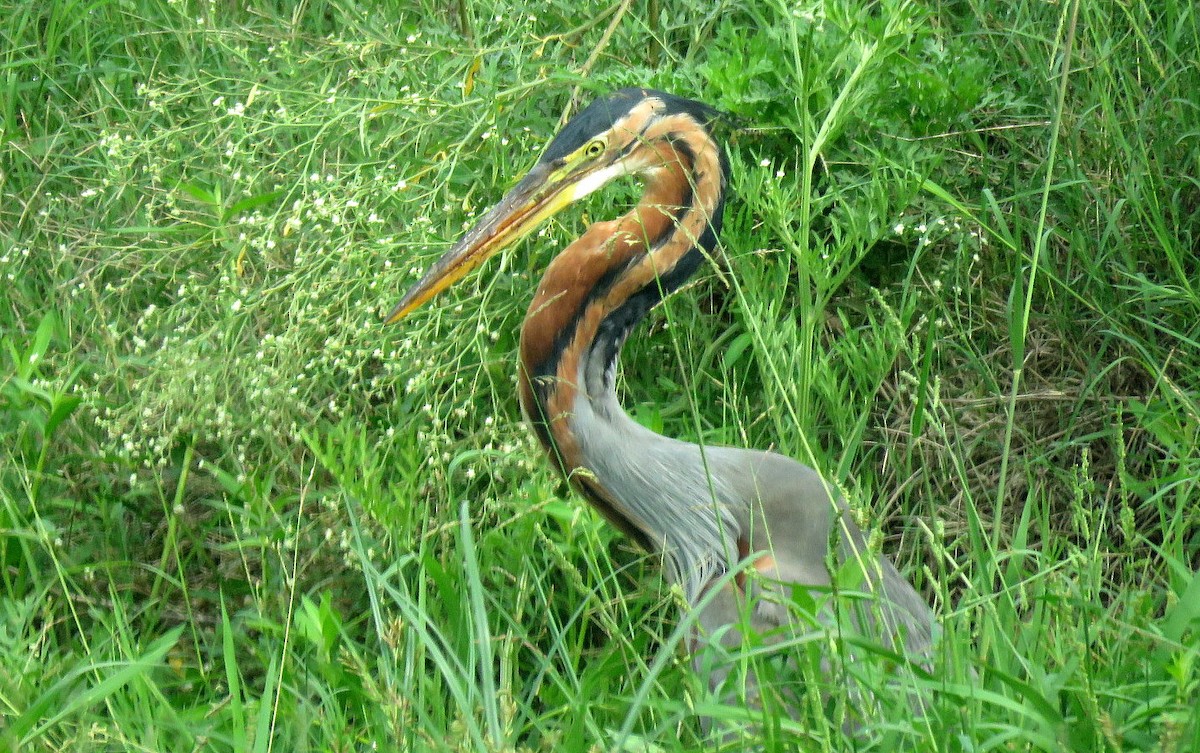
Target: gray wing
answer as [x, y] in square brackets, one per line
[788, 523]
[792, 518]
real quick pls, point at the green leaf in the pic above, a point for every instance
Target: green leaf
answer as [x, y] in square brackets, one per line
[63, 406]
[1186, 612]
[233, 679]
[199, 194]
[41, 340]
[736, 349]
[65, 701]
[250, 202]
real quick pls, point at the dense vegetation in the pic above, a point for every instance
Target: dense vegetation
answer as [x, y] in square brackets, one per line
[961, 276]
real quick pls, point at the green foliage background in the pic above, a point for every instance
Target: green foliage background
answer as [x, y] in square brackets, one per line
[960, 276]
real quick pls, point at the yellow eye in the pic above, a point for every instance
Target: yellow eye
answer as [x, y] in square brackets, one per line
[594, 149]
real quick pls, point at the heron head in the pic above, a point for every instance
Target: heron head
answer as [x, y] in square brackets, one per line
[606, 140]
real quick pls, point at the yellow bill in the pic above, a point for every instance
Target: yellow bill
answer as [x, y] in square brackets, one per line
[540, 195]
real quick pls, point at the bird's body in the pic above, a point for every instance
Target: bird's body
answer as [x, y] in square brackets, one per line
[573, 333]
[704, 509]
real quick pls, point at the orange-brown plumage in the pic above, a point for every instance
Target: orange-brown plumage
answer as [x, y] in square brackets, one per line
[706, 509]
[683, 178]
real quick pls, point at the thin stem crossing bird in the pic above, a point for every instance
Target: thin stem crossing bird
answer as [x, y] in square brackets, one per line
[706, 510]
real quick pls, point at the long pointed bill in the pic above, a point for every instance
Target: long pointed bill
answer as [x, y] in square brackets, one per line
[522, 209]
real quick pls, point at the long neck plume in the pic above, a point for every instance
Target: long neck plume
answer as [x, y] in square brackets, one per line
[591, 296]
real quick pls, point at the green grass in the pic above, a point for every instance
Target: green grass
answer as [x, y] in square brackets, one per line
[960, 276]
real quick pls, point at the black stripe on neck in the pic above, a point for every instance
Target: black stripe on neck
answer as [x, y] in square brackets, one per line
[616, 326]
[621, 320]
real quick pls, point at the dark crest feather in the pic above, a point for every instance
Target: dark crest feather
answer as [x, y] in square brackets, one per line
[602, 113]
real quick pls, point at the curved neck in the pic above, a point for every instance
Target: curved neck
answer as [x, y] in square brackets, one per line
[591, 296]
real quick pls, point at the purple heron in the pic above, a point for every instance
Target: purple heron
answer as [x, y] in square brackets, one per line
[705, 510]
